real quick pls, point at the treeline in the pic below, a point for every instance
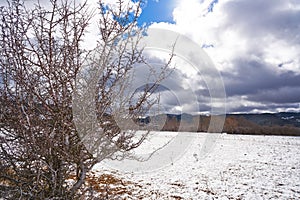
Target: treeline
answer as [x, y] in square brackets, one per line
[233, 124]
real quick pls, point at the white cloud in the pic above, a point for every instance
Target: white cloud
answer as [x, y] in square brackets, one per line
[244, 36]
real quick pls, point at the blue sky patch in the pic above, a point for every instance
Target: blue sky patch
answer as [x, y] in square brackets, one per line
[157, 11]
[205, 46]
[212, 5]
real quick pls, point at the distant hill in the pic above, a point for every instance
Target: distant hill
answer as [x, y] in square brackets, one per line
[263, 124]
[270, 119]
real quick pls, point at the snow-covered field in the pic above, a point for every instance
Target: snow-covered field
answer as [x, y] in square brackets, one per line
[238, 167]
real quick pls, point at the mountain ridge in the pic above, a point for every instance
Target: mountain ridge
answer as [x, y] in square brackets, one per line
[281, 123]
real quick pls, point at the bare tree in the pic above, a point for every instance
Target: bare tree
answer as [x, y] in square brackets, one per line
[42, 66]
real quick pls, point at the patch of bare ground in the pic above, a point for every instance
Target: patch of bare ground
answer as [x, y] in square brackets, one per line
[109, 186]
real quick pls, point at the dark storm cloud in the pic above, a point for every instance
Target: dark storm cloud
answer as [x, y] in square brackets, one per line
[280, 95]
[270, 31]
[261, 83]
[259, 18]
[252, 77]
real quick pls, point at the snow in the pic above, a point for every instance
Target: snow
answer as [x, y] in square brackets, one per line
[287, 118]
[238, 167]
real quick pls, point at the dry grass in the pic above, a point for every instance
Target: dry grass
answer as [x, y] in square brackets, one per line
[109, 184]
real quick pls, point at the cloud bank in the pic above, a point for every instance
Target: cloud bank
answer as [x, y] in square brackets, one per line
[254, 44]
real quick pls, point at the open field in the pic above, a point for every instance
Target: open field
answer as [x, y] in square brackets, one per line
[238, 167]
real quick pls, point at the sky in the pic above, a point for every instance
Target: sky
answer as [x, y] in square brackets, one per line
[255, 45]
[157, 11]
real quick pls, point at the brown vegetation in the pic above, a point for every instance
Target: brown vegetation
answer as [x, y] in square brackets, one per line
[232, 125]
